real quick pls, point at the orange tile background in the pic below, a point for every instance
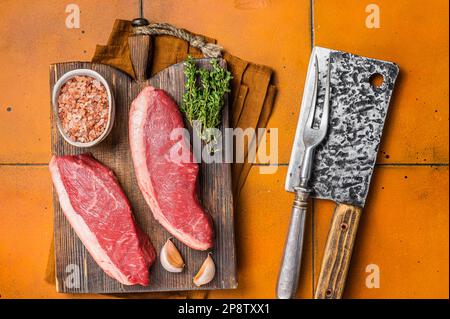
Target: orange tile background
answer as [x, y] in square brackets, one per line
[404, 229]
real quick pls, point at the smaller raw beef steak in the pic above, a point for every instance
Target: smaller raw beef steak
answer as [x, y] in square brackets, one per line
[168, 186]
[100, 214]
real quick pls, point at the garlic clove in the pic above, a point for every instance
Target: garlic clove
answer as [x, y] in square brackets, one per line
[206, 272]
[170, 257]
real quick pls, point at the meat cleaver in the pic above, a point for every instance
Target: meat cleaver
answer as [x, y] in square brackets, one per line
[343, 163]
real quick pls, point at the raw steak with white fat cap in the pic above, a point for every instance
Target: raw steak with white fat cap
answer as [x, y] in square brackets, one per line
[168, 186]
[100, 214]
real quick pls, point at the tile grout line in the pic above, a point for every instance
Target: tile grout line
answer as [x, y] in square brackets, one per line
[379, 164]
[412, 164]
[279, 164]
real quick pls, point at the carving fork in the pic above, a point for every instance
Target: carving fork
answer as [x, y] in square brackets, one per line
[312, 137]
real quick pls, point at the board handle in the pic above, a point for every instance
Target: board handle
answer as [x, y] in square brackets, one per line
[140, 54]
[338, 252]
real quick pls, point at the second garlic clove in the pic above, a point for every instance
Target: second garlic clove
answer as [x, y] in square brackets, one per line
[206, 273]
[171, 258]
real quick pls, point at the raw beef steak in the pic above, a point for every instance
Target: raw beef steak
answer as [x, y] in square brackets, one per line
[100, 214]
[168, 186]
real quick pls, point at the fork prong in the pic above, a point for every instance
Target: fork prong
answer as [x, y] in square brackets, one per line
[312, 108]
[326, 104]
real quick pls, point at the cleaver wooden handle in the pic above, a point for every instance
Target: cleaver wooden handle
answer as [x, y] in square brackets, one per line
[338, 252]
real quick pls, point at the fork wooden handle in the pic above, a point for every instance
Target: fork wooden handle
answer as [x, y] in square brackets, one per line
[338, 252]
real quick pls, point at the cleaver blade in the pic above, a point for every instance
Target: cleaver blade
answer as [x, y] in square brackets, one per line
[344, 161]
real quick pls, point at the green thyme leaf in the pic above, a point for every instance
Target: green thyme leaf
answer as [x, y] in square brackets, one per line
[204, 95]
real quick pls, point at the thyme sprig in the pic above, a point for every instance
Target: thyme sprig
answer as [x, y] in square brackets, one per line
[204, 95]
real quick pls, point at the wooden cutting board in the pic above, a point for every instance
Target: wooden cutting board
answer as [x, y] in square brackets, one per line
[73, 262]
